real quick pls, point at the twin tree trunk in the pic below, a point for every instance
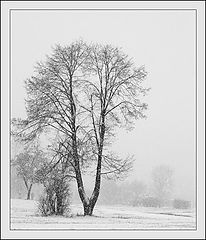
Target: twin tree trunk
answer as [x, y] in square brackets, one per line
[89, 203]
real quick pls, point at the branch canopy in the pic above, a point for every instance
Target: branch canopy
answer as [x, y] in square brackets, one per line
[84, 92]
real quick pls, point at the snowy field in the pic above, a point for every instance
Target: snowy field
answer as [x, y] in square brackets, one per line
[24, 215]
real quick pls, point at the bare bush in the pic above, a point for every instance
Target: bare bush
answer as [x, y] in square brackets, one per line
[151, 202]
[56, 197]
[181, 204]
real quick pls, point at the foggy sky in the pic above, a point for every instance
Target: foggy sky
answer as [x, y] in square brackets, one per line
[162, 41]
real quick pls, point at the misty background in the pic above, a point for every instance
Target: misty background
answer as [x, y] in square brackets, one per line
[162, 41]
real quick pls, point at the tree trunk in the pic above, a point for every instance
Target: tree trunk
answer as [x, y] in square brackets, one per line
[84, 199]
[88, 209]
[59, 206]
[88, 204]
[29, 192]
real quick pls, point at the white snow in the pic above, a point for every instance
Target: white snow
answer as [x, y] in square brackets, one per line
[24, 215]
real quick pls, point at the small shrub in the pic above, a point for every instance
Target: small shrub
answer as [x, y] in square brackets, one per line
[181, 204]
[44, 206]
[56, 198]
[136, 202]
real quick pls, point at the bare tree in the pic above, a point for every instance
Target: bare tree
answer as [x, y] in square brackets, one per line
[162, 177]
[83, 92]
[53, 102]
[112, 91]
[27, 163]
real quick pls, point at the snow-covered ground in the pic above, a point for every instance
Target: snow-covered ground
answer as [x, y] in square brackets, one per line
[24, 215]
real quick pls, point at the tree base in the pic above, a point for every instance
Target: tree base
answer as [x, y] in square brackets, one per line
[88, 210]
